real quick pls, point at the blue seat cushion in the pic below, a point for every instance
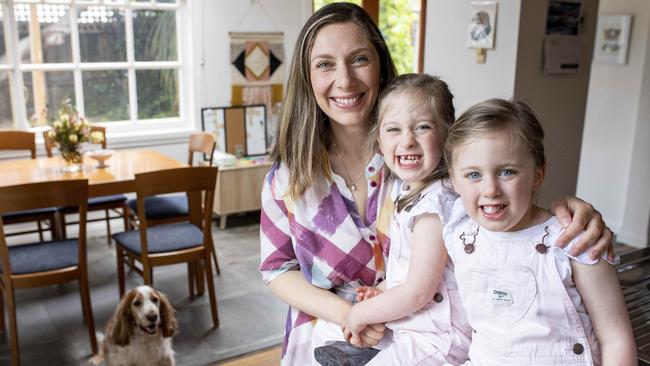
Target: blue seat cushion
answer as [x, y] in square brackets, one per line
[116, 198]
[162, 207]
[94, 202]
[162, 238]
[26, 213]
[41, 257]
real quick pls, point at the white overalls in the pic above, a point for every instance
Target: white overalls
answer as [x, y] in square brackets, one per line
[438, 333]
[518, 291]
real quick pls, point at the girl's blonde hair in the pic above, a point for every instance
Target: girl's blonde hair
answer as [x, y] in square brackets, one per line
[498, 115]
[304, 132]
[434, 94]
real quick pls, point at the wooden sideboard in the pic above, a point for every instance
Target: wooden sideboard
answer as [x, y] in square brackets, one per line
[239, 188]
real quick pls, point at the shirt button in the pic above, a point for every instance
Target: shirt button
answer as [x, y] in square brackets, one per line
[371, 169]
[578, 349]
[373, 184]
[437, 297]
[372, 237]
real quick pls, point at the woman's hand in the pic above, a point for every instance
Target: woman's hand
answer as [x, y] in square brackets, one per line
[359, 334]
[576, 216]
[367, 292]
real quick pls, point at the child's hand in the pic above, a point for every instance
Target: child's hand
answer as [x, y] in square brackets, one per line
[367, 292]
[352, 328]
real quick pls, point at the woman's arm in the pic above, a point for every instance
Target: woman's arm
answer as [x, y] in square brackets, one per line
[600, 290]
[428, 260]
[578, 216]
[292, 288]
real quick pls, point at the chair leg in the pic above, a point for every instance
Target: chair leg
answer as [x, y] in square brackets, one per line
[147, 275]
[64, 232]
[40, 230]
[216, 263]
[190, 278]
[86, 306]
[108, 226]
[120, 270]
[2, 312]
[13, 326]
[125, 215]
[211, 294]
[53, 228]
[200, 281]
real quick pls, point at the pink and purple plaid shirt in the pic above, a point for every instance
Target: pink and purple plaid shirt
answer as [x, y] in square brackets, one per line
[322, 235]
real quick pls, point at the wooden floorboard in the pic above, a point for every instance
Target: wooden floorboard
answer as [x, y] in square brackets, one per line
[267, 357]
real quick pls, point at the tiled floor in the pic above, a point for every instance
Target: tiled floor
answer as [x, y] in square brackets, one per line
[52, 332]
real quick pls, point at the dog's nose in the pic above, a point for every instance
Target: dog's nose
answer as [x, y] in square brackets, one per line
[152, 317]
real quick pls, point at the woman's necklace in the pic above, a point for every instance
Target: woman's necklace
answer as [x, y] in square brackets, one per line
[353, 183]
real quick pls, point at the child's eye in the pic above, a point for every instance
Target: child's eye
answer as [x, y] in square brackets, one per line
[473, 175]
[392, 129]
[423, 128]
[507, 173]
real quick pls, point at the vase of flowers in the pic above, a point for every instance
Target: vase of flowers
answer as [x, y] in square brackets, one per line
[69, 131]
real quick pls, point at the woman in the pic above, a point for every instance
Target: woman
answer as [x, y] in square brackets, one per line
[322, 209]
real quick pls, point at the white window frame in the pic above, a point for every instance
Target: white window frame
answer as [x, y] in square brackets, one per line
[132, 129]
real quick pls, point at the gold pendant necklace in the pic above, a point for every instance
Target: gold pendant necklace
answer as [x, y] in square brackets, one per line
[353, 183]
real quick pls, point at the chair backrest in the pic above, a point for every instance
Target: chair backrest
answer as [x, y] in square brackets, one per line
[202, 142]
[18, 140]
[50, 145]
[197, 182]
[62, 193]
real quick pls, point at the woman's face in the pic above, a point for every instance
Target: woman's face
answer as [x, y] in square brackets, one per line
[344, 71]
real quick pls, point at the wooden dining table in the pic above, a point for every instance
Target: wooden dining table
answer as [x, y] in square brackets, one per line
[118, 176]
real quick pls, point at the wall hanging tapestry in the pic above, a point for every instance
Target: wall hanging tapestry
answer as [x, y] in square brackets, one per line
[257, 67]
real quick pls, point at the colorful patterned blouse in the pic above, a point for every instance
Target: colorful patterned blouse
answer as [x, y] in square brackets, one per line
[322, 234]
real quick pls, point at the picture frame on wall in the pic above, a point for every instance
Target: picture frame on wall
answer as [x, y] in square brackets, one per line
[482, 24]
[239, 130]
[612, 38]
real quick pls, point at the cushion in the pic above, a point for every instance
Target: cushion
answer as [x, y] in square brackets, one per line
[161, 207]
[162, 238]
[97, 201]
[26, 213]
[43, 256]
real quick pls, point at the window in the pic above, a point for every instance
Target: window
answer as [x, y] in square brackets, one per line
[401, 22]
[117, 60]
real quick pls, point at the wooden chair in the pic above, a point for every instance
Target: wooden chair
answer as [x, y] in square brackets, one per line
[23, 140]
[113, 203]
[172, 243]
[46, 263]
[167, 209]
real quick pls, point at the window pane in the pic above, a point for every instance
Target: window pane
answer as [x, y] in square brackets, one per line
[3, 49]
[46, 90]
[399, 23]
[166, 1]
[106, 95]
[157, 93]
[6, 115]
[43, 32]
[154, 33]
[101, 34]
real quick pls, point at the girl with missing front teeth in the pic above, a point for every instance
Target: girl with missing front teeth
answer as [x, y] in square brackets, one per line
[420, 302]
[528, 301]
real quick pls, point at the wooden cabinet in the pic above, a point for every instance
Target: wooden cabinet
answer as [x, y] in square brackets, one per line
[239, 188]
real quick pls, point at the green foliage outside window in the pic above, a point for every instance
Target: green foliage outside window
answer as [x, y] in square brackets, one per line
[398, 22]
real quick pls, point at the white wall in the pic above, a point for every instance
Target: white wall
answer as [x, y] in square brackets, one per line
[446, 53]
[614, 166]
[514, 69]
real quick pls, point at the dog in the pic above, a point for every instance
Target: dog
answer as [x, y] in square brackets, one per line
[140, 331]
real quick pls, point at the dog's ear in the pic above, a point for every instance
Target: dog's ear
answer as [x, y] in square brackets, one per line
[122, 321]
[168, 321]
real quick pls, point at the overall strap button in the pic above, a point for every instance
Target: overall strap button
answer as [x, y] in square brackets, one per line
[578, 348]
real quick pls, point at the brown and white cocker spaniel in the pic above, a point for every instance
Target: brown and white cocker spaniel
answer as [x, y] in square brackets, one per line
[140, 331]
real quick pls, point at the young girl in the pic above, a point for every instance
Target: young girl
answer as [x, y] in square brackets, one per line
[528, 301]
[421, 304]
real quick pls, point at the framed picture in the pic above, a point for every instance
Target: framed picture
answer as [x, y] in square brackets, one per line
[240, 131]
[482, 24]
[612, 38]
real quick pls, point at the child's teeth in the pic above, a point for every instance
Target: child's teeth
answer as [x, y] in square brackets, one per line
[491, 209]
